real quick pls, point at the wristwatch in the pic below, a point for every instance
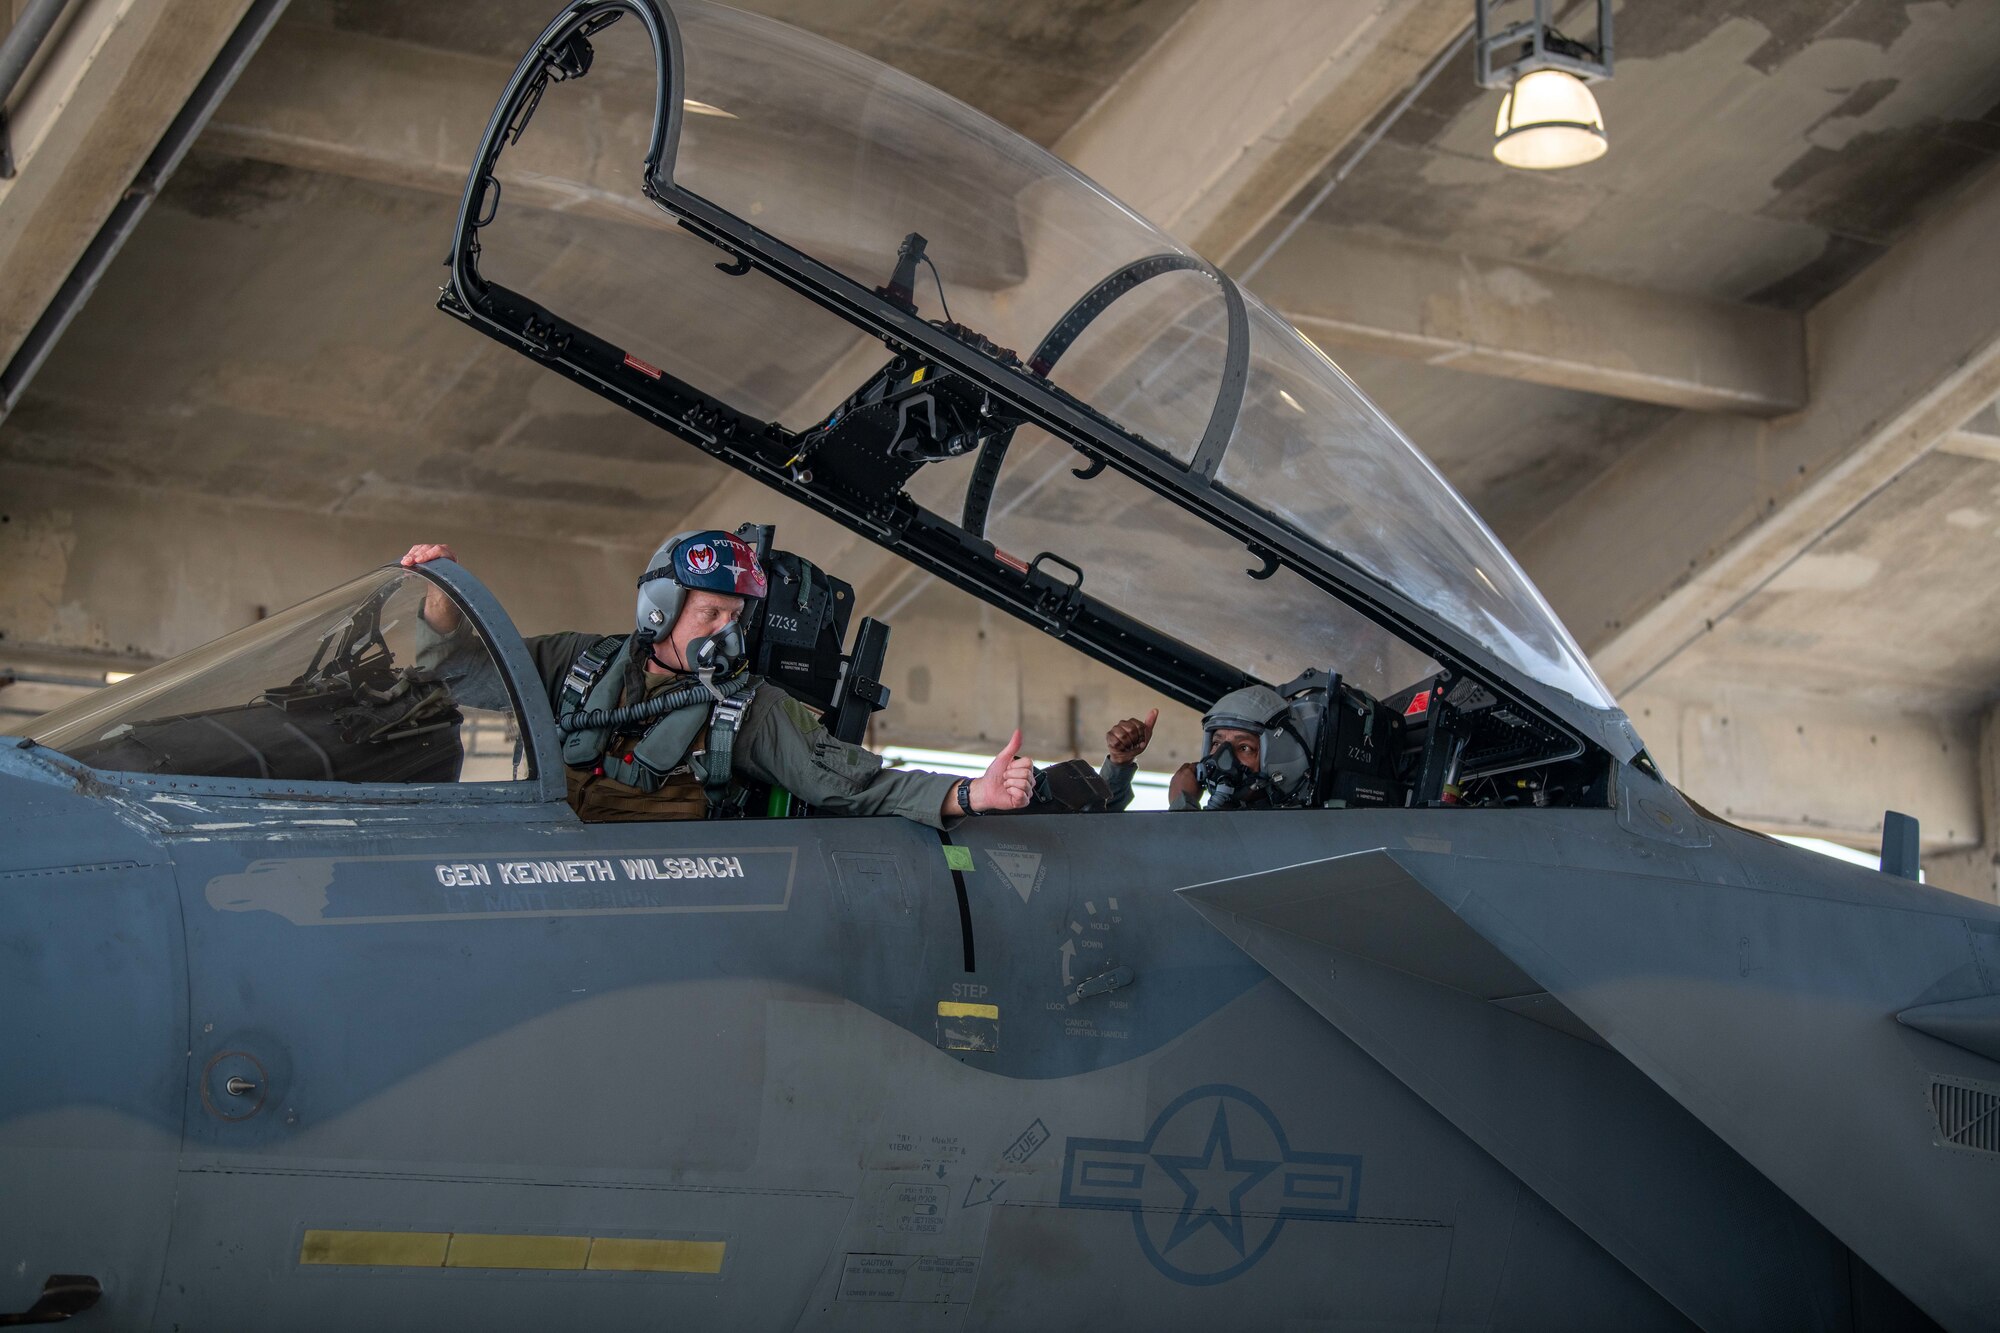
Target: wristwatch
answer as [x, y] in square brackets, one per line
[965, 796]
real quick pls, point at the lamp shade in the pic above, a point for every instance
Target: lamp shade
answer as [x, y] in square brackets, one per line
[1548, 120]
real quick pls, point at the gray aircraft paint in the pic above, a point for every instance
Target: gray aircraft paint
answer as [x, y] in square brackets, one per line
[1507, 1073]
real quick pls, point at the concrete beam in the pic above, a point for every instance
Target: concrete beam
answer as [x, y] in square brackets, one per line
[335, 102]
[1176, 137]
[1975, 871]
[1811, 766]
[1977, 438]
[1700, 515]
[89, 114]
[1521, 322]
[1242, 102]
[344, 104]
[382, 111]
[74, 590]
[1971, 444]
[33, 682]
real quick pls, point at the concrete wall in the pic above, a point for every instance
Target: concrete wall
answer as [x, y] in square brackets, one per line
[150, 575]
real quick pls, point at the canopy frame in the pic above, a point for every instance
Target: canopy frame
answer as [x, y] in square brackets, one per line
[955, 553]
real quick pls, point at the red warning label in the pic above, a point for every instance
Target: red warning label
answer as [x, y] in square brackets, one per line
[649, 371]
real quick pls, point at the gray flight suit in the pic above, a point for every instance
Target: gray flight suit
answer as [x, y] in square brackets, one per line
[780, 742]
[1118, 777]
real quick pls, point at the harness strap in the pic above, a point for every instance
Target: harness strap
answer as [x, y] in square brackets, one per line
[585, 672]
[714, 764]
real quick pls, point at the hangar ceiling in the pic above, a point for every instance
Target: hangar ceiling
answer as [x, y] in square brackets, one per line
[1721, 390]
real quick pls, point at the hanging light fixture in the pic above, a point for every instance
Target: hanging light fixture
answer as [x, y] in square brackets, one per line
[1548, 118]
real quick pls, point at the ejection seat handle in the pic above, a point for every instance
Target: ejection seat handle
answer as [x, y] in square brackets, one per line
[63, 1295]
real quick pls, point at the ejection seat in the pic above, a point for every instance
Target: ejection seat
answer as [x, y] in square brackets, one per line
[795, 640]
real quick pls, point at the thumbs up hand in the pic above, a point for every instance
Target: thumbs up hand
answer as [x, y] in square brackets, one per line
[1127, 740]
[1008, 780]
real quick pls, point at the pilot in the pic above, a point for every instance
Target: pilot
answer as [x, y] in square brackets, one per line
[1236, 734]
[656, 723]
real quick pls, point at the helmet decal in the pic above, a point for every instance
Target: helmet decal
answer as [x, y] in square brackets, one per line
[706, 561]
[718, 562]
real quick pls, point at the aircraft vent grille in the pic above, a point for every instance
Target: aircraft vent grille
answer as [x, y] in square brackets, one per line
[1968, 1114]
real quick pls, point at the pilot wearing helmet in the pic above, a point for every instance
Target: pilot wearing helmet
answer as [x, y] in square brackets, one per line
[656, 723]
[1252, 756]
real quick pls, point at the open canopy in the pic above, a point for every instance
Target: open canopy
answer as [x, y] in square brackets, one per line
[972, 354]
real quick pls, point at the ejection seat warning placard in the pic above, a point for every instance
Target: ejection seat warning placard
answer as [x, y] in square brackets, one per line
[928, 1279]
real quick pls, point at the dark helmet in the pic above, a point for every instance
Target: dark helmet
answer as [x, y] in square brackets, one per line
[712, 561]
[1265, 714]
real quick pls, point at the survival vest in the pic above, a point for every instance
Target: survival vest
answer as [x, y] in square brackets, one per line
[594, 683]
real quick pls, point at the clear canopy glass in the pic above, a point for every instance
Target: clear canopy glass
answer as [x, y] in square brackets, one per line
[844, 159]
[1155, 561]
[1310, 448]
[341, 688]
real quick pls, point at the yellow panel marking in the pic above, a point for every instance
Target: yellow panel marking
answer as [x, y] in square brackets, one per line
[482, 1250]
[918, 378]
[383, 1249]
[623, 1255]
[464, 1249]
[953, 1009]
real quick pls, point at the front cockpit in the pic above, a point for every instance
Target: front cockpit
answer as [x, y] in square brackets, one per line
[334, 690]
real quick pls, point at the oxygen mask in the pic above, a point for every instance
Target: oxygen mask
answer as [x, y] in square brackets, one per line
[1227, 780]
[717, 656]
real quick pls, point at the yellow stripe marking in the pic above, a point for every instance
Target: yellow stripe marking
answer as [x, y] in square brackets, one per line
[620, 1254]
[382, 1249]
[480, 1249]
[953, 1009]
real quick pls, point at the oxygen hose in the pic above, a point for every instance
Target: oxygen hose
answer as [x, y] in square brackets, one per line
[652, 708]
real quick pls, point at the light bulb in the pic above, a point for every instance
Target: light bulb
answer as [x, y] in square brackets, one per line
[1548, 120]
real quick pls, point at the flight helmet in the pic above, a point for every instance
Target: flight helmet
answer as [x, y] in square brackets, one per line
[1283, 759]
[711, 560]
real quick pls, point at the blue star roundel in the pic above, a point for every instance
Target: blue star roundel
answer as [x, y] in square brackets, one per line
[1211, 1185]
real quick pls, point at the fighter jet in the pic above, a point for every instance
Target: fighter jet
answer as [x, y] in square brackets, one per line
[323, 1010]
